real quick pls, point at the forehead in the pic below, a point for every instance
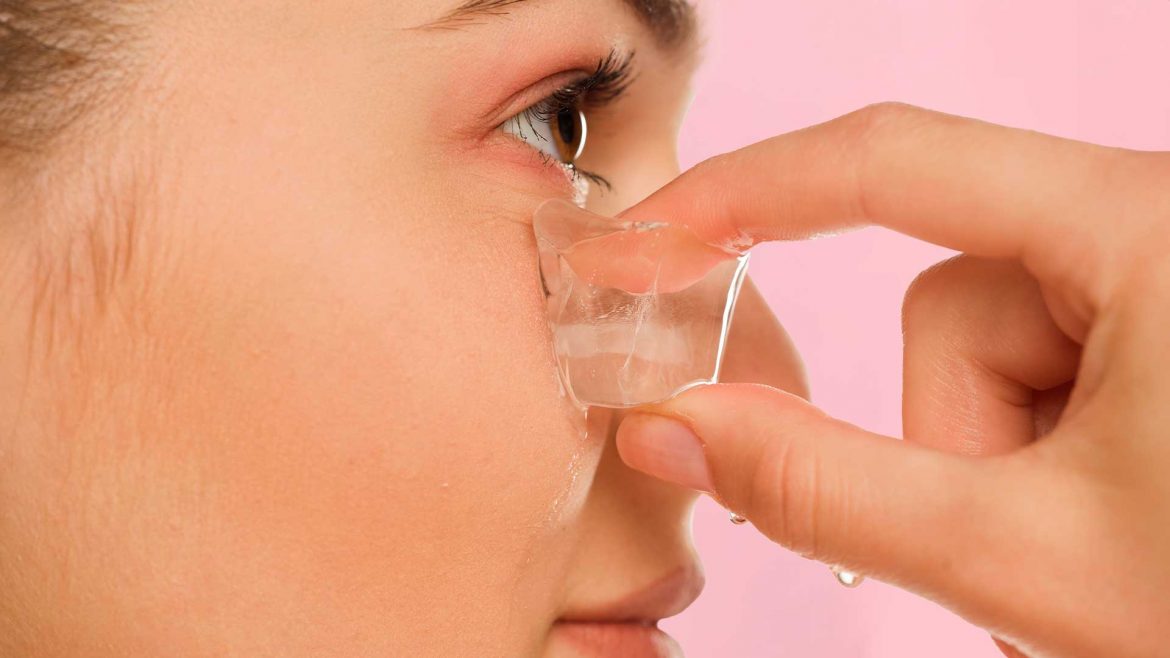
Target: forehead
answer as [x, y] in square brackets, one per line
[672, 22]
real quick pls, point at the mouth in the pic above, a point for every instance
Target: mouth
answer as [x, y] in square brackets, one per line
[609, 639]
[628, 626]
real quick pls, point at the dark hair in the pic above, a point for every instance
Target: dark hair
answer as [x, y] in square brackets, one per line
[55, 57]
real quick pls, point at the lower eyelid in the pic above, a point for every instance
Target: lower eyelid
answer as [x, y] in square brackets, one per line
[523, 154]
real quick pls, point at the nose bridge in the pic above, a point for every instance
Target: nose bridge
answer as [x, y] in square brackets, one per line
[633, 517]
[759, 350]
[637, 174]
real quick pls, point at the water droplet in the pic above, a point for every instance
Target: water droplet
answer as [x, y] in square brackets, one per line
[737, 519]
[848, 578]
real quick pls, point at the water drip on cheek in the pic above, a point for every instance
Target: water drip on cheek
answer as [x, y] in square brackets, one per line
[590, 430]
[578, 413]
[568, 496]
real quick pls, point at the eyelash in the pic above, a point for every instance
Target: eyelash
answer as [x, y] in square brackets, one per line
[607, 83]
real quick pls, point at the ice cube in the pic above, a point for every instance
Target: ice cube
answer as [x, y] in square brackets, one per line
[639, 311]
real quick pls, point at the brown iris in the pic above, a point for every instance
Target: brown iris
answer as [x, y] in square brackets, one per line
[569, 130]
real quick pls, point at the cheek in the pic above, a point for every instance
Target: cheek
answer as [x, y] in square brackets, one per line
[387, 397]
[451, 354]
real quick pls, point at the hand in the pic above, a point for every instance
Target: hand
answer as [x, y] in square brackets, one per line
[1031, 493]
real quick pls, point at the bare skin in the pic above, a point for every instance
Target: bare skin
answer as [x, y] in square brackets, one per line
[1029, 494]
[275, 375]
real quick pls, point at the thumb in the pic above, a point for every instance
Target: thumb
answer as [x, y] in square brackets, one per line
[819, 486]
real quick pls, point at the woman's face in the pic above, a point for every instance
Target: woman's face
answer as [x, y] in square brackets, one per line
[308, 405]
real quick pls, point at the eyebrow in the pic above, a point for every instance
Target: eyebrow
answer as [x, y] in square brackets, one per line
[671, 21]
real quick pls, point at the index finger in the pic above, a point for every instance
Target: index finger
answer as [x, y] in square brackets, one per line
[976, 187]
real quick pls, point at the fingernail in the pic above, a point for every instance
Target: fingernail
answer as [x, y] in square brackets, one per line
[666, 448]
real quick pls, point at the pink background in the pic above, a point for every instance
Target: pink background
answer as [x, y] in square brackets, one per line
[1097, 71]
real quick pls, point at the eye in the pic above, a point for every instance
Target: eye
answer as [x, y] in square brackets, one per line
[558, 131]
[556, 126]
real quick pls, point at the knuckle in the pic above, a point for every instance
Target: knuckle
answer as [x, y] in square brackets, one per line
[930, 291]
[713, 171]
[866, 132]
[785, 496]
[1118, 225]
[710, 184]
[883, 114]
[872, 124]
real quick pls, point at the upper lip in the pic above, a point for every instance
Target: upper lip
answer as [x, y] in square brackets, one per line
[665, 597]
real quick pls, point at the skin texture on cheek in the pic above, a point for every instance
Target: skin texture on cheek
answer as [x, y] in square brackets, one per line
[398, 384]
[356, 425]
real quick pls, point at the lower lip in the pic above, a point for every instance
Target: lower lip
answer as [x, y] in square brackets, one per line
[606, 640]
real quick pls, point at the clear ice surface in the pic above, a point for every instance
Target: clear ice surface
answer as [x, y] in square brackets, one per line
[639, 311]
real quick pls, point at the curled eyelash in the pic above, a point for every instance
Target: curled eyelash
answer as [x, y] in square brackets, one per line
[608, 81]
[611, 78]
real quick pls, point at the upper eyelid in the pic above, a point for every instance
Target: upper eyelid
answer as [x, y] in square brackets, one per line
[612, 76]
[562, 97]
[576, 94]
[604, 83]
[529, 97]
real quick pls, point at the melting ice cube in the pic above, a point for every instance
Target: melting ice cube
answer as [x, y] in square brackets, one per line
[639, 311]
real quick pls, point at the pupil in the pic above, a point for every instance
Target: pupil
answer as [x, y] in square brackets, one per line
[567, 127]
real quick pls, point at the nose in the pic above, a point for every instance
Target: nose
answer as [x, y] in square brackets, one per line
[637, 176]
[759, 350]
[636, 528]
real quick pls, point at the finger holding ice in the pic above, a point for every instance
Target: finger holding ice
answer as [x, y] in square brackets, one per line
[639, 311]
[635, 256]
